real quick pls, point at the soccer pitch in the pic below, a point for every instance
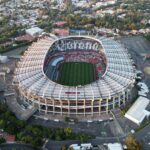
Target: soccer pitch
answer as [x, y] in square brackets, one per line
[76, 73]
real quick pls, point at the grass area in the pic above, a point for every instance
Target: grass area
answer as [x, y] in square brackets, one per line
[76, 73]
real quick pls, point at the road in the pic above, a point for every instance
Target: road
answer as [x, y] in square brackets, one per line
[15, 146]
[96, 128]
[16, 52]
[141, 136]
[56, 145]
[144, 136]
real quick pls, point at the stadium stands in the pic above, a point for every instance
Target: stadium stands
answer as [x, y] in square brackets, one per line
[35, 76]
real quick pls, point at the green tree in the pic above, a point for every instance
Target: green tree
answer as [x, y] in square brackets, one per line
[21, 124]
[48, 133]
[82, 137]
[27, 139]
[2, 140]
[2, 123]
[36, 141]
[68, 132]
[36, 132]
[19, 136]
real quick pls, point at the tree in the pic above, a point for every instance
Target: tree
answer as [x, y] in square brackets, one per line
[132, 143]
[21, 124]
[2, 123]
[36, 141]
[67, 131]
[70, 148]
[27, 139]
[82, 137]
[2, 140]
[64, 147]
[19, 136]
[36, 132]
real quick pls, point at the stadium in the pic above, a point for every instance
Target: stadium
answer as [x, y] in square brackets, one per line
[75, 75]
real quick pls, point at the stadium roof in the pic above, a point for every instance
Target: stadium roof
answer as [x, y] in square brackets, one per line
[119, 75]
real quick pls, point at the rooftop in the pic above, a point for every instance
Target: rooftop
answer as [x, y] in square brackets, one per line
[138, 111]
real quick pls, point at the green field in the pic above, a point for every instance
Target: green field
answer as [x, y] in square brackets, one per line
[76, 73]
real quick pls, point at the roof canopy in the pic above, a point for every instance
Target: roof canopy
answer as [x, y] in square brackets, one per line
[138, 111]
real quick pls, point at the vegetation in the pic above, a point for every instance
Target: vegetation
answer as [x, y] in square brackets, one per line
[125, 109]
[8, 34]
[130, 22]
[134, 10]
[2, 140]
[34, 134]
[136, 17]
[76, 73]
[15, 45]
[64, 147]
[132, 143]
[45, 24]
[147, 37]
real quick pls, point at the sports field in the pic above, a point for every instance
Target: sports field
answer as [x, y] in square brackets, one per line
[76, 73]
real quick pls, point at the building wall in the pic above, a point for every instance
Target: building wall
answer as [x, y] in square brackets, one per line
[75, 107]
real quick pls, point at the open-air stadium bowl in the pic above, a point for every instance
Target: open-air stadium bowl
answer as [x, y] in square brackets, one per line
[37, 73]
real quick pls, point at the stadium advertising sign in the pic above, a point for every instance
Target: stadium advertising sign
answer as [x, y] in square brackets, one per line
[68, 44]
